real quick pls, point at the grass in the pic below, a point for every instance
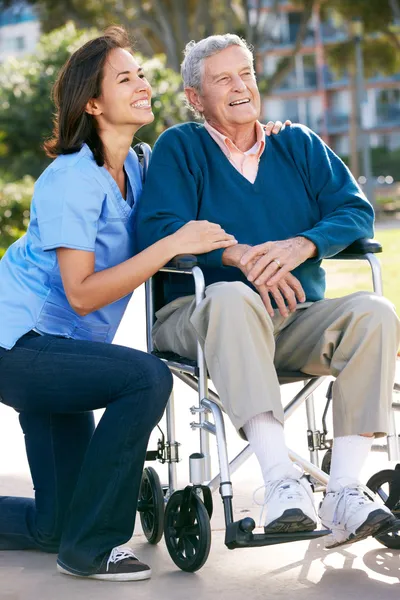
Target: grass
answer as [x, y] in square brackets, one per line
[345, 277]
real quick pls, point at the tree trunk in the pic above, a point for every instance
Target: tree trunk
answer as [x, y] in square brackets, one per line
[354, 124]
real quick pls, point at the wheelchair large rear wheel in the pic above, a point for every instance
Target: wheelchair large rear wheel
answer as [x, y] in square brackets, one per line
[151, 506]
[381, 483]
[188, 539]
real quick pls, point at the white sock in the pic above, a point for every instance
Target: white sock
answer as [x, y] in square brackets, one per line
[349, 454]
[267, 439]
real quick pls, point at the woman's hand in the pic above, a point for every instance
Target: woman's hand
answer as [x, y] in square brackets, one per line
[198, 237]
[276, 127]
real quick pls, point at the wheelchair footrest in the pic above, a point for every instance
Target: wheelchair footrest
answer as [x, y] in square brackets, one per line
[392, 528]
[240, 535]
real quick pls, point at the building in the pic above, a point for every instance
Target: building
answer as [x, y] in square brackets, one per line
[19, 30]
[312, 94]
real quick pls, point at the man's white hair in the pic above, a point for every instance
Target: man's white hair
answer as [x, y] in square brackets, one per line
[197, 52]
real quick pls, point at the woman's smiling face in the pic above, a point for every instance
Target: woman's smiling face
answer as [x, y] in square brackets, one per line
[125, 92]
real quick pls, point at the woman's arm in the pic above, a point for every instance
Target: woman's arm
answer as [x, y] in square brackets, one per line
[88, 290]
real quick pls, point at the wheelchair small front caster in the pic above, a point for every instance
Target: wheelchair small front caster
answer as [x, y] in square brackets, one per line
[187, 530]
[386, 484]
[151, 506]
[326, 461]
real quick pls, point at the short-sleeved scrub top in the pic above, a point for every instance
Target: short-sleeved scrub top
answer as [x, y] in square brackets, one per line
[76, 204]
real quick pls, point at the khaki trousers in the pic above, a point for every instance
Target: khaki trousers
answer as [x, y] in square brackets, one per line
[354, 338]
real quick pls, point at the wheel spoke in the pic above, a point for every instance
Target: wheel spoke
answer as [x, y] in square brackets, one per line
[190, 550]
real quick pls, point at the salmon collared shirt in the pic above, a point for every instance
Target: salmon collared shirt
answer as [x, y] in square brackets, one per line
[245, 162]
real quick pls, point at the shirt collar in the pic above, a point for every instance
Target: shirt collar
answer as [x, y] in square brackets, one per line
[227, 145]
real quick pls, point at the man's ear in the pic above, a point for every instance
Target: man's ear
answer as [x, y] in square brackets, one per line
[93, 108]
[194, 99]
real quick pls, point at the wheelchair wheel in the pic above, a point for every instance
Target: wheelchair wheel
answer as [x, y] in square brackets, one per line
[188, 539]
[326, 461]
[381, 483]
[151, 506]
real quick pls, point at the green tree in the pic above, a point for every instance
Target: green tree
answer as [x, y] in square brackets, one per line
[26, 108]
[15, 199]
[167, 25]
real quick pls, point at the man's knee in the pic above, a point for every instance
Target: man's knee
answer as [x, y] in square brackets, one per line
[377, 308]
[231, 296]
[380, 315]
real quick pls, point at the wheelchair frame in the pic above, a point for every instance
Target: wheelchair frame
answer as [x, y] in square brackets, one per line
[239, 534]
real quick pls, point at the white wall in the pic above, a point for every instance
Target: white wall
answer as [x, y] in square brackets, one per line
[18, 39]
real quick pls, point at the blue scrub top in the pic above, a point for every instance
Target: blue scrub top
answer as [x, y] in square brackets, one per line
[76, 204]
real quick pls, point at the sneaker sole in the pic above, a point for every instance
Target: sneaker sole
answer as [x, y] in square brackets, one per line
[377, 520]
[293, 520]
[139, 576]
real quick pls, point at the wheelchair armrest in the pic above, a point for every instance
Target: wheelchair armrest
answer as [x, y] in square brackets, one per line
[358, 248]
[182, 261]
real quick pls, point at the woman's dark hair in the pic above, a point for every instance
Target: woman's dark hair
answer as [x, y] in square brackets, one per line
[80, 80]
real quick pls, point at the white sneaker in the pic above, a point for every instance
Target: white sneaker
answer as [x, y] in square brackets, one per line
[289, 506]
[352, 514]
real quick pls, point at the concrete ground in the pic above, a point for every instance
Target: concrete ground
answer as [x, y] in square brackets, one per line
[301, 570]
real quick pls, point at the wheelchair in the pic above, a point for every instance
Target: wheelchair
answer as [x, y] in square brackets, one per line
[183, 516]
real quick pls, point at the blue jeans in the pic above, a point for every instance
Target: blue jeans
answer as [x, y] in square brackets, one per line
[86, 480]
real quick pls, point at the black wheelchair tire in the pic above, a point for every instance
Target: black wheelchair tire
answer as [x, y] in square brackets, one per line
[151, 506]
[375, 483]
[195, 535]
[326, 461]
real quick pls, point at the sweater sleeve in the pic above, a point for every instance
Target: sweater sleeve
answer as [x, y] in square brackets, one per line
[346, 215]
[172, 194]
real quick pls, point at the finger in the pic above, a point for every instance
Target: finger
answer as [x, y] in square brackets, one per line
[265, 297]
[287, 122]
[277, 127]
[280, 302]
[221, 236]
[289, 295]
[263, 269]
[268, 128]
[295, 284]
[254, 252]
[279, 274]
[223, 244]
[213, 226]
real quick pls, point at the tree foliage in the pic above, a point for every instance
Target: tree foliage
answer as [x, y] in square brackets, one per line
[167, 25]
[26, 108]
[15, 199]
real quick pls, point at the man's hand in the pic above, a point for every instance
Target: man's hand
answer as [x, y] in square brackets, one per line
[275, 126]
[286, 293]
[270, 262]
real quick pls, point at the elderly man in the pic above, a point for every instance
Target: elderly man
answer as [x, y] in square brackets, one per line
[290, 202]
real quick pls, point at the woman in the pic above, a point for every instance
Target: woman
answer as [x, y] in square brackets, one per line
[64, 287]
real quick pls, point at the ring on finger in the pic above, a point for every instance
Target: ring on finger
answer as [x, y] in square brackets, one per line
[278, 262]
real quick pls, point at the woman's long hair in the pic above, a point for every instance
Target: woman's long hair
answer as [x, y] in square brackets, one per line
[80, 80]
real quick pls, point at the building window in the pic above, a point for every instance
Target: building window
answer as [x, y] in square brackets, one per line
[20, 43]
[310, 71]
[12, 44]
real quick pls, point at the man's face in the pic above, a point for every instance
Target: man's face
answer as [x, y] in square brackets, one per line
[229, 95]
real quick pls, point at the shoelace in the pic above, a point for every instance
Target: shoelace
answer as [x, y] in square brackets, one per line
[117, 554]
[287, 487]
[356, 495]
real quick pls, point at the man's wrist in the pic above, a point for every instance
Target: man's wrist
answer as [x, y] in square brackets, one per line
[232, 255]
[308, 248]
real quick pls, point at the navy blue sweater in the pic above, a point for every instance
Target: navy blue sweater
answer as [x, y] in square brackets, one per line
[302, 188]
